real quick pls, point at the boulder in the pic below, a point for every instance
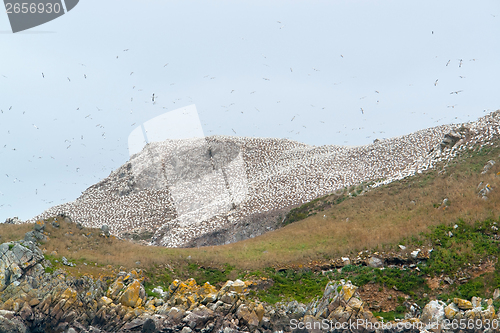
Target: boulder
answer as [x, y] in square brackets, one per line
[130, 296]
[12, 325]
[105, 230]
[15, 259]
[496, 294]
[238, 286]
[199, 317]
[451, 310]
[13, 220]
[260, 311]
[39, 226]
[488, 166]
[375, 262]
[462, 304]
[229, 298]
[248, 317]
[433, 312]
[149, 326]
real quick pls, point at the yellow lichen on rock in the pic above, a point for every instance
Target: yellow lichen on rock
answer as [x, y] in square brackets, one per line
[69, 293]
[106, 301]
[115, 288]
[462, 303]
[349, 291]
[450, 311]
[131, 294]
[238, 286]
[259, 311]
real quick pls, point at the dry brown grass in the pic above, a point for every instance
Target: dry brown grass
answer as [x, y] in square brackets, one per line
[380, 218]
[13, 232]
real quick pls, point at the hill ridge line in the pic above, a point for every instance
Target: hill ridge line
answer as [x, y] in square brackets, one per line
[159, 188]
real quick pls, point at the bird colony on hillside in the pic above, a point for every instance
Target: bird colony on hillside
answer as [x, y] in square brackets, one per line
[183, 189]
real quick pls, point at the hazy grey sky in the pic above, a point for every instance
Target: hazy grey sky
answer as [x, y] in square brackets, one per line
[249, 66]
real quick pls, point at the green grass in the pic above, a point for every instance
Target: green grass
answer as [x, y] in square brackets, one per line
[470, 244]
[208, 274]
[291, 285]
[390, 315]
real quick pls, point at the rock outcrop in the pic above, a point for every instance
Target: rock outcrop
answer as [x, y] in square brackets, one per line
[13, 220]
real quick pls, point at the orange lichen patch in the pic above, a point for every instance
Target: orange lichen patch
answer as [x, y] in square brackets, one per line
[130, 296]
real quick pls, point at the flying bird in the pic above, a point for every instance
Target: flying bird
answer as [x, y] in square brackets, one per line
[436, 82]
[69, 79]
[362, 112]
[460, 64]
[293, 118]
[448, 62]
[43, 76]
[153, 97]
[456, 92]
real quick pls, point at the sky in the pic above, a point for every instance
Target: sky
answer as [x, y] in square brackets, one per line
[318, 72]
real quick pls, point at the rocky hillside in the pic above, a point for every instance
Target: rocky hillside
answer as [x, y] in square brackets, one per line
[35, 298]
[224, 189]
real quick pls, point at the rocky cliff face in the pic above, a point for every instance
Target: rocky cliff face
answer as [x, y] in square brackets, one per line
[208, 191]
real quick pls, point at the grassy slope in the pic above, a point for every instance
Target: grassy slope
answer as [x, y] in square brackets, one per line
[337, 225]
